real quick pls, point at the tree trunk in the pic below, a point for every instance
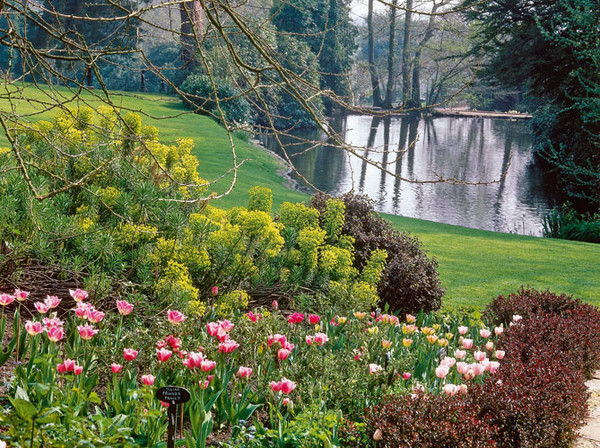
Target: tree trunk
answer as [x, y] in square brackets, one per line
[389, 88]
[191, 31]
[377, 100]
[406, 90]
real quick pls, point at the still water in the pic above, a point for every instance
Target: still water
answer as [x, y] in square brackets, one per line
[413, 150]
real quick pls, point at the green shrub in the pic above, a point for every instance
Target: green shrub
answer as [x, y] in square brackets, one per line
[206, 95]
[260, 198]
[566, 223]
[410, 280]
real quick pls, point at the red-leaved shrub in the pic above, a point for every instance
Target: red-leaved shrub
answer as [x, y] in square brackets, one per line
[536, 399]
[536, 404]
[430, 421]
[527, 302]
[571, 337]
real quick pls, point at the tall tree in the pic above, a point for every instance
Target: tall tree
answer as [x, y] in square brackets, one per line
[551, 49]
[325, 25]
[191, 32]
[377, 98]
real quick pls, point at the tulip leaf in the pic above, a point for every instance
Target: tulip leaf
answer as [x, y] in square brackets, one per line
[24, 409]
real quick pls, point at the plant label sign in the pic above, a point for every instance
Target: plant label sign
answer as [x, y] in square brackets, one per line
[172, 395]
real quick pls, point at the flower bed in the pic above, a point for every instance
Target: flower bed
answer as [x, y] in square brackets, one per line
[264, 378]
[537, 398]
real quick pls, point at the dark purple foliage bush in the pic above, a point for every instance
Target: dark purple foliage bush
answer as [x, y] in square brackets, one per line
[536, 399]
[430, 421]
[410, 281]
[536, 404]
[527, 302]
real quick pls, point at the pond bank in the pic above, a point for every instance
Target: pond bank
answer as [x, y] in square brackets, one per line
[449, 112]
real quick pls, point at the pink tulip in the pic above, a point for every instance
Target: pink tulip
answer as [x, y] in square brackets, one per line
[95, 316]
[55, 334]
[287, 386]
[69, 365]
[276, 338]
[374, 368]
[406, 375]
[212, 328]
[215, 290]
[51, 322]
[226, 325]
[499, 330]
[275, 305]
[203, 384]
[448, 361]
[244, 372]
[500, 354]
[7, 299]
[193, 360]
[517, 318]
[463, 330]
[228, 346]
[489, 346]
[463, 389]
[61, 369]
[310, 339]
[321, 338]
[314, 319]
[124, 307]
[467, 343]
[21, 295]
[450, 389]
[253, 317]
[174, 342]
[485, 333]
[410, 319]
[86, 332]
[77, 369]
[175, 317]
[207, 366]
[493, 367]
[479, 356]
[130, 354]
[296, 318]
[478, 369]
[78, 294]
[148, 380]
[442, 371]
[41, 307]
[276, 386]
[33, 328]
[83, 310]
[283, 354]
[163, 354]
[460, 354]
[52, 301]
[286, 401]
[462, 367]
[115, 368]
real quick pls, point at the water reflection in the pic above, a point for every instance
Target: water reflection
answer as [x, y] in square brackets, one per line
[471, 149]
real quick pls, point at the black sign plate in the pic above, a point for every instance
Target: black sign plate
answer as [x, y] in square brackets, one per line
[173, 394]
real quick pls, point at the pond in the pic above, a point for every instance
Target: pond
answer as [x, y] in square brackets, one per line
[494, 151]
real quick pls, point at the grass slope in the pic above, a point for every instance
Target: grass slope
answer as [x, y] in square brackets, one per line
[475, 265]
[212, 146]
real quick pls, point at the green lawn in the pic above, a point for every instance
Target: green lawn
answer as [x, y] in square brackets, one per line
[475, 265]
